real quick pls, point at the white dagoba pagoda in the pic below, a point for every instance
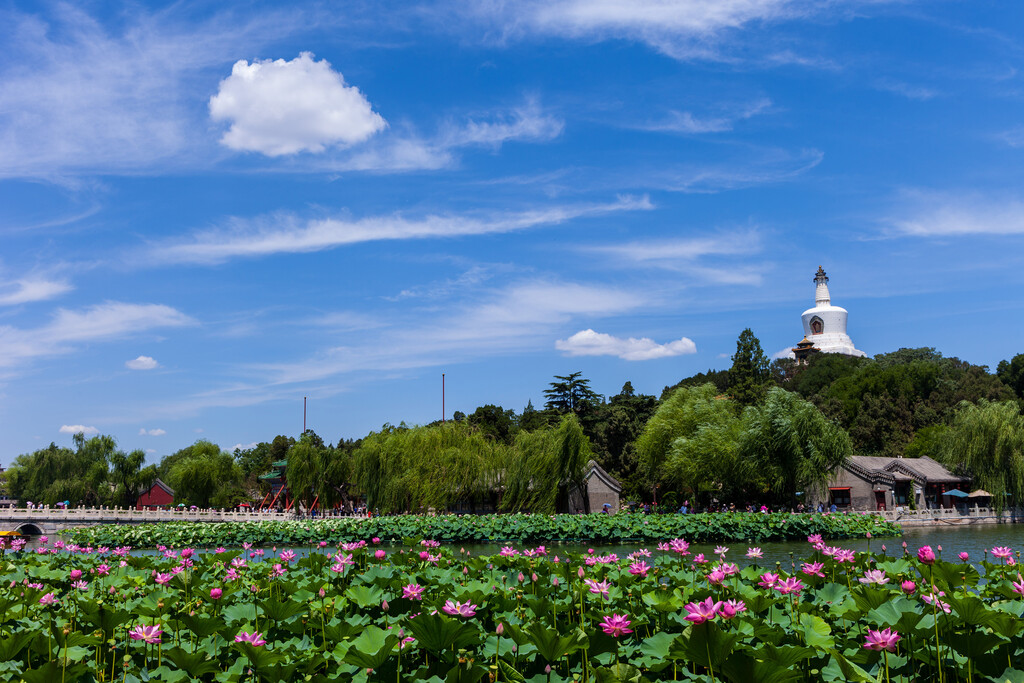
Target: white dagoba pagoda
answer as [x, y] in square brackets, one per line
[824, 325]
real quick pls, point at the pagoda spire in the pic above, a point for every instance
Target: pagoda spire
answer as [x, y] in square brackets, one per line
[821, 295]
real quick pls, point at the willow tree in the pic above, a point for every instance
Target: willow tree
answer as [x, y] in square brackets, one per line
[686, 411]
[55, 474]
[545, 468]
[206, 476]
[317, 473]
[791, 445]
[411, 469]
[986, 441]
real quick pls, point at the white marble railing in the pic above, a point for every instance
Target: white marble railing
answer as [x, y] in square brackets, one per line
[949, 513]
[115, 515]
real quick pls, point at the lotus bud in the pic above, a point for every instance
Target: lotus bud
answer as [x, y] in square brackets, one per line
[500, 630]
[580, 572]
[521, 577]
[465, 570]
[547, 669]
[385, 606]
[908, 587]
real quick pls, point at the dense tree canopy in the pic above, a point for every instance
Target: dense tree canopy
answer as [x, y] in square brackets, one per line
[205, 476]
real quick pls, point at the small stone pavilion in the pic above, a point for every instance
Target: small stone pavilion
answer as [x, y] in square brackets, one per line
[867, 482]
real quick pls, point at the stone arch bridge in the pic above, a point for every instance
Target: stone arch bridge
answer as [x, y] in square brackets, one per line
[47, 521]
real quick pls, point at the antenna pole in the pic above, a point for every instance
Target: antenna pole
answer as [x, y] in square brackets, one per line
[442, 398]
[303, 414]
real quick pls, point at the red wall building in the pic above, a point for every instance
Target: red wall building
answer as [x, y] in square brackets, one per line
[159, 495]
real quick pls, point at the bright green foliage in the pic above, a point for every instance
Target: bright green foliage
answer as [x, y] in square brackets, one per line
[317, 472]
[206, 477]
[525, 617]
[544, 467]
[791, 446]
[749, 376]
[495, 422]
[525, 528]
[986, 441]
[691, 439]
[94, 473]
[403, 469]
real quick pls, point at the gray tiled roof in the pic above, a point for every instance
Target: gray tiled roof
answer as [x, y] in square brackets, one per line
[921, 470]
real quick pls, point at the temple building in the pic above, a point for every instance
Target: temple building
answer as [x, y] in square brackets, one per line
[824, 325]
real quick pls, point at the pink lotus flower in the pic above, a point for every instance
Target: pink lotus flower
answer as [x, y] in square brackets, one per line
[874, 576]
[716, 576]
[679, 546]
[699, 612]
[215, 593]
[699, 559]
[926, 554]
[813, 569]
[75, 574]
[616, 625]
[908, 587]
[459, 609]
[843, 555]
[278, 571]
[598, 587]
[80, 585]
[163, 579]
[730, 608]
[814, 538]
[639, 568]
[721, 550]
[103, 569]
[1018, 585]
[768, 580]
[150, 634]
[288, 556]
[885, 639]
[933, 599]
[48, 599]
[220, 550]
[790, 585]
[508, 551]
[754, 553]
[413, 591]
[255, 638]
[964, 557]
[375, 540]
[1002, 552]
[379, 554]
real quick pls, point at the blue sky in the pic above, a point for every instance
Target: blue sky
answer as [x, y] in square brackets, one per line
[210, 211]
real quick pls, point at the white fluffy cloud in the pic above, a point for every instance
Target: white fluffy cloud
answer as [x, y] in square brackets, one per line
[590, 343]
[151, 432]
[141, 363]
[278, 107]
[76, 429]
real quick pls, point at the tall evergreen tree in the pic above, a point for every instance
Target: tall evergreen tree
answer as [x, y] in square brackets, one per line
[749, 376]
[571, 394]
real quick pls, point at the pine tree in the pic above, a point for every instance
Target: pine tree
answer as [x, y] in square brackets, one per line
[749, 376]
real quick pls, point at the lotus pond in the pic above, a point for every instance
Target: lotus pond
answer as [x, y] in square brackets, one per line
[434, 613]
[521, 528]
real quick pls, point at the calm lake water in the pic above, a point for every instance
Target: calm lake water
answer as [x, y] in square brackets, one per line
[975, 540]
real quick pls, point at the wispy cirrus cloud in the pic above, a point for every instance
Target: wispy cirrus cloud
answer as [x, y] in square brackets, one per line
[716, 258]
[686, 122]
[30, 289]
[682, 29]
[287, 233]
[928, 213]
[88, 96]
[908, 90]
[590, 343]
[67, 328]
